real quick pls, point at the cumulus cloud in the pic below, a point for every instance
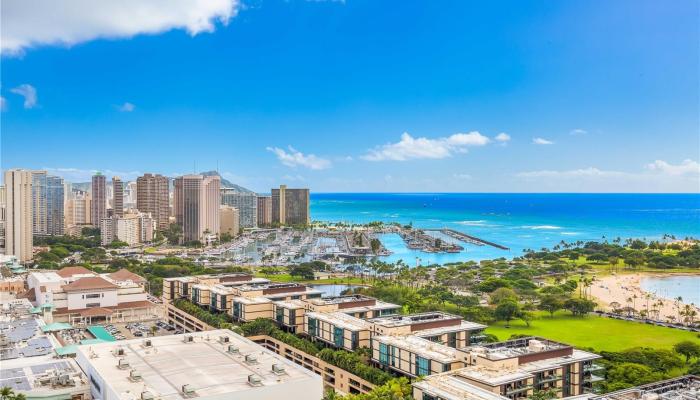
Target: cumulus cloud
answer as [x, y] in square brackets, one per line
[28, 92]
[410, 148]
[502, 137]
[126, 107]
[578, 132]
[687, 167]
[294, 158]
[30, 23]
[541, 141]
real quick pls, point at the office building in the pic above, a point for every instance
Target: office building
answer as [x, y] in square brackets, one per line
[99, 199]
[197, 202]
[81, 296]
[515, 369]
[153, 197]
[47, 204]
[117, 196]
[18, 209]
[264, 210]
[290, 206]
[230, 221]
[210, 365]
[246, 203]
[132, 228]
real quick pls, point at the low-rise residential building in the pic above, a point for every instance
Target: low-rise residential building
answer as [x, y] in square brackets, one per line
[682, 387]
[207, 365]
[80, 296]
[337, 329]
[414, 356]
[356, 305]
[179, 288]
[435, 326]
[515, 369]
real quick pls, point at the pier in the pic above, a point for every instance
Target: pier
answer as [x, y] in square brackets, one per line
[468, 238]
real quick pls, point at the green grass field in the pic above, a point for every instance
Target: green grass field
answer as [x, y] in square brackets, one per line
[596, 332]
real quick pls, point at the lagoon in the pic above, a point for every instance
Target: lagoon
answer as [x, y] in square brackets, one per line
[671, 287]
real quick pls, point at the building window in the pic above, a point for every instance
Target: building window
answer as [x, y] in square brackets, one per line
[313, 327]
[92, 296]
[90, 305]
[338, 338]
[422, 366]
[383, 354]
[452, 339]
[279, 317]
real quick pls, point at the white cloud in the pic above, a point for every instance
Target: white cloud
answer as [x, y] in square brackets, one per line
[84, 175]
[293, 178]
[583, 172]
[410, 148]
[3, 104]
[295, 158]
[29, 23]
[28, 92]
[539, 140]
[687, 167]
[503, 137]
[462, 177]
[578, 132]
[126, 107]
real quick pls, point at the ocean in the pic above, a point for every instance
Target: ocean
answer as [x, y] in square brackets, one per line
[518, 221]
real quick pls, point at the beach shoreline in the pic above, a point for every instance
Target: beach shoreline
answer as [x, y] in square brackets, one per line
[625, 289]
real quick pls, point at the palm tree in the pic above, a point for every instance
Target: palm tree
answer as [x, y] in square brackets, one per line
[677, 302]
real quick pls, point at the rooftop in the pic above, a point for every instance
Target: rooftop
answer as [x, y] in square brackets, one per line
[341, 320]
[516, 348]
[490, 376]
[393, 321]
[681, 388]
[44, 378]
[422, 347]
[213, 363]
[89, 283]
[340, 299]
[21, 338]
[448, 386]
[68, 272]
[126, 275]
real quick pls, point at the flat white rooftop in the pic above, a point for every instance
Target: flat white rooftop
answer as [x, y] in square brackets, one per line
[208, 364]
[450, 387]
[490, 376]
[422, 347]
[341, 320]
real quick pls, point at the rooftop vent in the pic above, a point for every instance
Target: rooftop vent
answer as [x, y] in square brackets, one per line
[251, 359]
[254, 380]
[188, 390]
[232, 349]
[278, 369]
[123, 363]
[147, 343]
[146, 395]
[224, 339]
[119, 351]
[134, 375]
[188, 339]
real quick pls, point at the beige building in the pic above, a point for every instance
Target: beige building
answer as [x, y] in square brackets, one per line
[77, 212]
[19, 223]
[290, 206]
[152, 196]
[132, 228]
[117, 196]
[197, 201]
[99, 199]
[3, 217]
[264, 210]
[230, 221]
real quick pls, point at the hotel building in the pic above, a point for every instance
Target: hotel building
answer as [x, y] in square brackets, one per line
[99, 199]
[18, 209]
[197, 201]
[230, 221]
[290, 206]
[264, 210]
[117, 196]
[153, 197]
[246, 203]
[132, 228]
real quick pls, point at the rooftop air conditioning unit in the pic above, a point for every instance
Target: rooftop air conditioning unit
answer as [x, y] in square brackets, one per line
[134, 375]
[146, 395]
[232, 349]
[119, 352]
[188, 339]
[147, 343]
[254, 380]
[278, 369]
[123, 364]
[251, 359]
[187, 390]
[224, 339]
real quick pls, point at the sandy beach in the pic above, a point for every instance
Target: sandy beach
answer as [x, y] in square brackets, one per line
[621, 287]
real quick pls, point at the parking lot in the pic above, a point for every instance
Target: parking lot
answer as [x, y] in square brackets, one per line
[132, 330]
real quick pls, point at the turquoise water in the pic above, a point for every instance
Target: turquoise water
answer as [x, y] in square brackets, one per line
[670, 287]
[517, 221]
[332, 289]
[101, 333]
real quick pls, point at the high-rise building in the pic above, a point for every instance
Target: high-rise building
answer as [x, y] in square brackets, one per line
[117, 196]
[130, 195]
[47, 204]
[197, 201]
[3, 217]
[99, 199]
[132, 228]
[230, 221]
[19, 224]
[290, 206]
[152, 197]
[77, 212]
[245, 202]
[264, 210]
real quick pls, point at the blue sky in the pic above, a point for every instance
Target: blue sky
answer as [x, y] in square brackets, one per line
[503, 96]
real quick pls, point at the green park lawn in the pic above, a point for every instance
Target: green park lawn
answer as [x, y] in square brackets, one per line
[599, 333]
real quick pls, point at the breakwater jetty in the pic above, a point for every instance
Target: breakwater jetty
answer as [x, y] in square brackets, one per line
[461, 236]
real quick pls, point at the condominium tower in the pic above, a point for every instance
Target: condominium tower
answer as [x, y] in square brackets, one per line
[197, 199]
[18, 224]
[290, 206]
[3, 216]
[264, 210]
[230, 220]
[245, 202]
[118, 196]
[99, 198]
[77, 212]
[152, 196]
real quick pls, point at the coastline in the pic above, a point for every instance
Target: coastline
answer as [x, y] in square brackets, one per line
[621, 288]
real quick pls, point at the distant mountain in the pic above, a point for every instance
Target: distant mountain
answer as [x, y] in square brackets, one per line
[226, 183]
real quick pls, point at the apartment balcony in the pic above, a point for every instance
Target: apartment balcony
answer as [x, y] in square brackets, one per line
[593, 379]
[549, 378]
[518, 389]
[593, 368]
